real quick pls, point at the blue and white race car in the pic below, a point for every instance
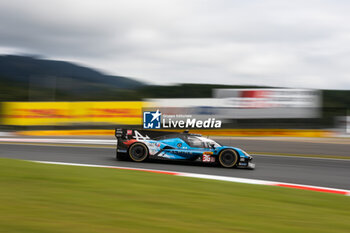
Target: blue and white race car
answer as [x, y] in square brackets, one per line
[139, 145]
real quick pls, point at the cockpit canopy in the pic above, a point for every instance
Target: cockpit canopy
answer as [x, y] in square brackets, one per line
[201, 142]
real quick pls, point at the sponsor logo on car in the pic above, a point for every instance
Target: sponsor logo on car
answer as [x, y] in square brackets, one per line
[206, 158]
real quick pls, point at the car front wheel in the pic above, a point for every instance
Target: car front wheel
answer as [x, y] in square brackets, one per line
[228, 158]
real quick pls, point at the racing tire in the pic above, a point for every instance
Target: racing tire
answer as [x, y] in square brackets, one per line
[138, 152]
[228, 158]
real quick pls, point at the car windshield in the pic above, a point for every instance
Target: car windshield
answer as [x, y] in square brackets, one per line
[201, 142]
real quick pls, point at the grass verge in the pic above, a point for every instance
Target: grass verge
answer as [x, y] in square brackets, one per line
[53, 198]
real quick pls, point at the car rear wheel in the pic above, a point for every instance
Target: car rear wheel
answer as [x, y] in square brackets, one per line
[138, 152]
[228, 158]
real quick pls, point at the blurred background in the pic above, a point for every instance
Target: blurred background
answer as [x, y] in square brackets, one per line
[276, 72]
[97, 64]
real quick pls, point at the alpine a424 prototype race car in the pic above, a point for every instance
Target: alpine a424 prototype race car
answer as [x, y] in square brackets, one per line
[139, 145]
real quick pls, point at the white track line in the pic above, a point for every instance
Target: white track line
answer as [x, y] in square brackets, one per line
[214, 177]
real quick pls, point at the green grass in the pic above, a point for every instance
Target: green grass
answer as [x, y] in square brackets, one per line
[53, 198]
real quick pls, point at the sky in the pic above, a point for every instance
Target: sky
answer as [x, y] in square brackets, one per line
[300, 44]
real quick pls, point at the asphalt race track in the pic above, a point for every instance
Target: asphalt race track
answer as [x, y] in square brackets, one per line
[308, 171]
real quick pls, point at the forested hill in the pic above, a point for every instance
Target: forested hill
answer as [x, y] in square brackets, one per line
[24, 78]
[25, 70]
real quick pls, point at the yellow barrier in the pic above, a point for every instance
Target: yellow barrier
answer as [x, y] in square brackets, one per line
[265, 132]
[35, 113]
[216, 132]
[79, 132]
[111, 113]
[71, 113]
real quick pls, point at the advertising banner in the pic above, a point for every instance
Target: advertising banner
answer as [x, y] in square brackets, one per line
[246, 104]
[71, 113]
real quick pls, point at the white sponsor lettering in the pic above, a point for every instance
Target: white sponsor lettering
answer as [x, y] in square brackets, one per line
[139, 136]
[191, 123]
